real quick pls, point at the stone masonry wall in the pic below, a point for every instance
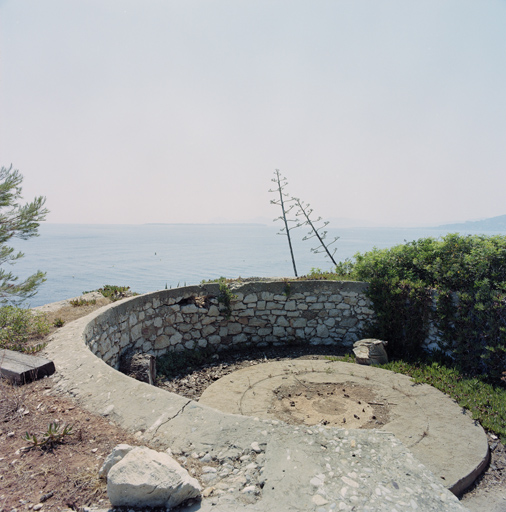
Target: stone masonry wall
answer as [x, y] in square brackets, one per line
[261, 313]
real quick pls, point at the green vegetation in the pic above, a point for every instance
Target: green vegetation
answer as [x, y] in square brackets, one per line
[82, 302]
[18, 326]
[17, 221]
[486, 402]
[55, 434]
[58, 322]
[225, 297]
[328, 275]
[115, 292]
[457, 284]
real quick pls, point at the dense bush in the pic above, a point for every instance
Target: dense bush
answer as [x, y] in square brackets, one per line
[18, 326]
[457, 282]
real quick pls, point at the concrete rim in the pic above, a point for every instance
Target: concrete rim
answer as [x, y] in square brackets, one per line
[434, 427]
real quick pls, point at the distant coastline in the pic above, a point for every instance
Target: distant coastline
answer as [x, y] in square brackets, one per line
[492, 224]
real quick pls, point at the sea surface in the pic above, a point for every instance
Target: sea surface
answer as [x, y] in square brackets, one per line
[151, 257]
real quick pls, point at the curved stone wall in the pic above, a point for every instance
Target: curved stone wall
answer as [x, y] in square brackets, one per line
[260, 313]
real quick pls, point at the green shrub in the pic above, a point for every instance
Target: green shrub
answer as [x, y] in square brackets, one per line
[115, 292]
[225, 297]
[18, 325]
[58, 322]
[82, 302]
[341, 273]
[467, 277]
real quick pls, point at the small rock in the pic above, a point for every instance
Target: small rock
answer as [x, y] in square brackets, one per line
[319, 500]
[206, 458]
[255, 447]
[38, 506]
[207, 478]
[208, 491]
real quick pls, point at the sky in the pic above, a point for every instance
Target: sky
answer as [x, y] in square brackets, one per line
[129, 112]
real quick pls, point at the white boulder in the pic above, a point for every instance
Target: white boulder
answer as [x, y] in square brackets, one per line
[147, 478]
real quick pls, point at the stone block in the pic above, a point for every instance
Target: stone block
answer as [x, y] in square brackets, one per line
[290, 305]
[162, 341]
[136, 332]
[234, 328]
[370, 351]
[240, 338]
[176, 338]
[322, 331]
[278, 331]
[298, 322]
[282, 321]
[208, 330]
[213, 311]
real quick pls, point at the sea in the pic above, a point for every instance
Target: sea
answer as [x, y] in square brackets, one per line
[150, 257]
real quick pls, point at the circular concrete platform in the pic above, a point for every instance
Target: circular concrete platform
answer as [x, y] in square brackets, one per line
[439, 433]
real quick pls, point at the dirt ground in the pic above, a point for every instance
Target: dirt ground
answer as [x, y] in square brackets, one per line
[65, 475]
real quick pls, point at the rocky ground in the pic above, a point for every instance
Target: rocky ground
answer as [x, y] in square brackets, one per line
[65, 475]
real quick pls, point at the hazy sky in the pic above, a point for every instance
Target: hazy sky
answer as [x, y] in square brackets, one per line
[179, 111]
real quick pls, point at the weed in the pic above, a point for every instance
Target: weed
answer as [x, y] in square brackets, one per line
[288, 289]
[347, 358]
[58, 322]
[82, 302]
[55, 434]
[225, 297]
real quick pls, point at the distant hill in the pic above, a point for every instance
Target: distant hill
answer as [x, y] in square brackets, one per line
[492, 224]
